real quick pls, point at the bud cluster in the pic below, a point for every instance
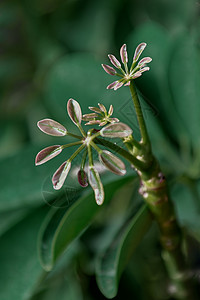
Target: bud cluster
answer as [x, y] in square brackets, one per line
[85, 143]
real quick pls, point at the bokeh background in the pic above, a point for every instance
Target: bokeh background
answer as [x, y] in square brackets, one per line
[51, 51]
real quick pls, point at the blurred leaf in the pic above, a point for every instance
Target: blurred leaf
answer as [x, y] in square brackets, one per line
[20, 267]
[62, 280]
[159, 48]
[62, 288]
[10, 218]
[22, 183]
[114, 258]
[81, 76]
[62, 226]
[184, 79]
[186, 198]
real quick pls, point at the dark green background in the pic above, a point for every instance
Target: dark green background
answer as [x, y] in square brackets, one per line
[51, 51]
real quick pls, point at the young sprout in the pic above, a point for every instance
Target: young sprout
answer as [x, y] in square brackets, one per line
[100, 115]
[126, 74]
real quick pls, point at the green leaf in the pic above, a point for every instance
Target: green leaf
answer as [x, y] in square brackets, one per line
[62, 226]
[184, 81]
[20, 267]
[74, 111]
[186, 198]
[112, 162]
[113, 260]
[22, 183]
[10, 218]
[116, 130]
[52, 127]
[47, 153]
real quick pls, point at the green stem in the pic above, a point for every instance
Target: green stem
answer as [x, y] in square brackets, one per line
[72, 144]
[154, 191]
[75, 136]
[140, 118]
[76, 152]
[138, 164]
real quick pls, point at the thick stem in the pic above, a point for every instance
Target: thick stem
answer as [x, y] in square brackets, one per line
[154, 191]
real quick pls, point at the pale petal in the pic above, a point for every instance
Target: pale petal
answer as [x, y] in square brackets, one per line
[109, 69]
[113, 130]
[112, 162]
[136, 75]
[114, 120]
[74, 111]
[47, 154]
[96, 184]
[118, 85]
[88, 117]
[110, 112]
[93, 122]
[51, 127]
[102, 108]
[114, 61]
[144, 61]
[103, 123]
[144, 69]
[123, 54]
[138, 51]
[95, 109]
[60, 175]
[112, 85]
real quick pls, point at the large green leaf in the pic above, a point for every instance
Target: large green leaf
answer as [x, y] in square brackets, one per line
[115, 257]
[184, 81]
[20, 267]
[10, 218]
[64, 225]
[186, 198]
[22, 183]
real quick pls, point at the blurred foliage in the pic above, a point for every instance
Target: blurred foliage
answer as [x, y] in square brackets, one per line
[51, 51]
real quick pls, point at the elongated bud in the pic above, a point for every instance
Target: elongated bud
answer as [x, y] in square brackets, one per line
[112, 162]
[95, 109]
[114, 61]
[102, 108]
[96, 184]
[118, 85]
[60, 175]
[138, 51]
[123, 54]
[110, 112]
[112, 85]
[144, 61]
[88, 117]
[47, 154]
[144, 69]
[136, 74]
[74, 111]
[51, 127]
[114, 130]
[109, 69]
[82, 178]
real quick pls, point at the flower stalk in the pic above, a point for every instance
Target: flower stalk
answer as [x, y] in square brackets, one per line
[153, 183]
